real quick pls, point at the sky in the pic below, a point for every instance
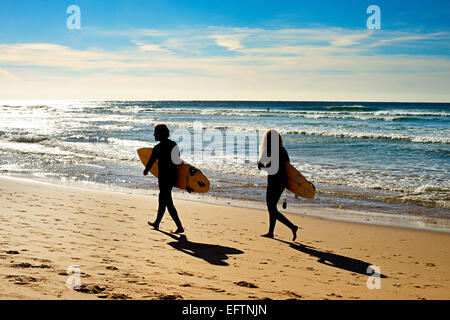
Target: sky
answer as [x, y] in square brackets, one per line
[225, 50]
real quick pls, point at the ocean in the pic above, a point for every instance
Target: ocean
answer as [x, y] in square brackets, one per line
[369, 157]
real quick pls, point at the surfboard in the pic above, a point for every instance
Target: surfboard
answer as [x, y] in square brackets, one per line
[298, 184]
[188, 178]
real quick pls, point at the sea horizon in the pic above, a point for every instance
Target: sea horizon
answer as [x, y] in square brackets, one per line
[228, 100]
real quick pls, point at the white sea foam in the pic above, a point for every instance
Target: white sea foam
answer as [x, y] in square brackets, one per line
[330, 112]
[12, 168]
[339, 133]
[28, 148]
[442, 137]
[100, 135]
[428, 188]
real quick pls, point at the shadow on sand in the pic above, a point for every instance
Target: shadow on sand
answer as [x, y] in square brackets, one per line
[211, 253]
[335, 260]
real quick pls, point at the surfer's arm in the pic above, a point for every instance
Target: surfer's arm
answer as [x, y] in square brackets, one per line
[284, 157]
[264, 160]
[263, 165]
[151, 161]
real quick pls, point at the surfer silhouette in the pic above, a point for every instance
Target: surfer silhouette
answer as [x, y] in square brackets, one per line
[162, 153]
[273, 157]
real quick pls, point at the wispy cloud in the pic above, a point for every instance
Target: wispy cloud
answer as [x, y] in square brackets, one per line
[443, 36]
[284, 59]
[351, 39]
[276, 64]
[150, 47]
[231, 42]
[7, 75]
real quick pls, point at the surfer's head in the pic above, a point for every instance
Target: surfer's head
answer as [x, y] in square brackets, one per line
[267, 139]
[161, 132]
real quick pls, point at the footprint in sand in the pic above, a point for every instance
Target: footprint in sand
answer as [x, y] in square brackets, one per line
[21, 279]
[163, 296]
[118, 296]
[186, 285]
[90, 289]
[246, 284]
[112, 268]
[290, 293]
[29, 265]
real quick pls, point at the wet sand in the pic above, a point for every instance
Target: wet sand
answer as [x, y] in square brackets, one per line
[46, 228]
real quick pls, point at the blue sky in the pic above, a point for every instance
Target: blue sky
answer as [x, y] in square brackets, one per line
[252, 50]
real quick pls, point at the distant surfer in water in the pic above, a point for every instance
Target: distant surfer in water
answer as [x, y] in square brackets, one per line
[166, 174]
[274, 156]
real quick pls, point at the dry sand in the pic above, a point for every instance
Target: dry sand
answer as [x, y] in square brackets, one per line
[46, 228]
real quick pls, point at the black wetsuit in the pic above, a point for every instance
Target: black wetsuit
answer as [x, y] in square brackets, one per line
[276, 183]
[166, 179]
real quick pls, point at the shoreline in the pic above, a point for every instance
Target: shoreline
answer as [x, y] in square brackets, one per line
[323, 212]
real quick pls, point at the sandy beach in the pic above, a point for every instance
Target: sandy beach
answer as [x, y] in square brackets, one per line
[47, 228]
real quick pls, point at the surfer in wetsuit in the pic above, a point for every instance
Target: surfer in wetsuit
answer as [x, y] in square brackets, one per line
[271, 148]
[167, 171]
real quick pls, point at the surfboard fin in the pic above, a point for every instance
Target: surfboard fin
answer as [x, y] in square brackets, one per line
[201, 184]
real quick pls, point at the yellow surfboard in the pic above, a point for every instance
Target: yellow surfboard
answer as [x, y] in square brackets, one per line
[298, 184]
[189, 178]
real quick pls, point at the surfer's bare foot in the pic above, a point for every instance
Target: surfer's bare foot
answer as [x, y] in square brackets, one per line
[294, 233]
[154, 225]
[267, 235]
[179, 230]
